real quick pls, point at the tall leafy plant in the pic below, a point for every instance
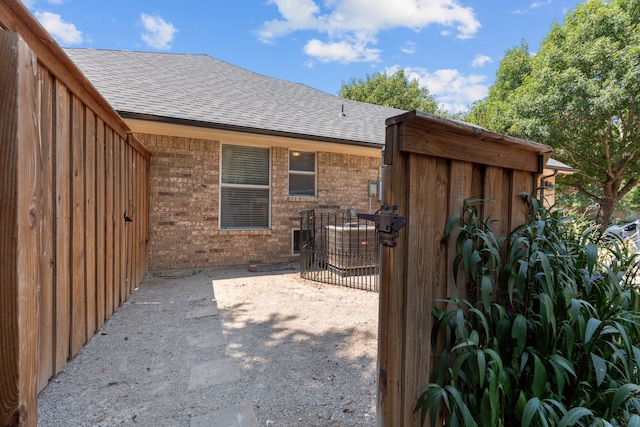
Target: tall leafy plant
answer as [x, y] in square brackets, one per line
[552, 335]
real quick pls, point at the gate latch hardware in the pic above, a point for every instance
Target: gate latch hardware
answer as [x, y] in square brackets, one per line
[387, 224]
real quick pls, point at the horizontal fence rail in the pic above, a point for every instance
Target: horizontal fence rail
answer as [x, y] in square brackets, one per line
[339, 249]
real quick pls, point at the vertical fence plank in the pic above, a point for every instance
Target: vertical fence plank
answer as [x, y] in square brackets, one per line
[90, 222]
[63, 226]
[47, 245]
[392, 292]
[419, 264]
[523, 182]
[19, 251]
[460, 189]
[100, 197]
[115, 218]
[109, 257]
[78, 231]
[121, 225]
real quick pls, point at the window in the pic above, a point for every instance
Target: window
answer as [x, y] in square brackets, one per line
[302, 174]
[244, 187]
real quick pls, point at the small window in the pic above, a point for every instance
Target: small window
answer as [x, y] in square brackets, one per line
[302, 174]
[244, 187]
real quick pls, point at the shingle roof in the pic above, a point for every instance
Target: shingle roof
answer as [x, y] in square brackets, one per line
[204, 90]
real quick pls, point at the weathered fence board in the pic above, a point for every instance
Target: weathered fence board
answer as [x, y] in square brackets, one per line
[19, 228]
[431, 167]
[62, 214]
[69, 170]
[90, 222]
[47, 244]
[78, 266]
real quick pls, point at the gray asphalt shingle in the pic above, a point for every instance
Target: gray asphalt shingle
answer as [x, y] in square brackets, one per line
[203, 89]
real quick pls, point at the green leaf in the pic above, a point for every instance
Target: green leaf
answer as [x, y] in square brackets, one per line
[539, 384]
[462, 408]
[519, 333]
[592, 326]
[574, 415]
[482, 366]
[599, 367]
[622, 394]
[530, 410]
[591, 255]
[486, 290]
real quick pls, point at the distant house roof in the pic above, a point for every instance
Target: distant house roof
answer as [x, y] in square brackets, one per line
[203, 91]
[560, 168]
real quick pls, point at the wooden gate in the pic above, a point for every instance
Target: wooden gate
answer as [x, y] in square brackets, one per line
[431, 165]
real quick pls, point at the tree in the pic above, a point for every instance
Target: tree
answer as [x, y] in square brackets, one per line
[494, 112]
[394, 91]
[581, 96]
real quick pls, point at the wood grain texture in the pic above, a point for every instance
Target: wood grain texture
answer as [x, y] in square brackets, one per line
[100, 196]
[19, 227]
[78, 231]
[58, 220]
[62, 141]
[47, 242]
[90, 222]
[432, 168]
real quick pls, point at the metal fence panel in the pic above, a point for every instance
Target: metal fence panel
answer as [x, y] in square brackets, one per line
[340, 249]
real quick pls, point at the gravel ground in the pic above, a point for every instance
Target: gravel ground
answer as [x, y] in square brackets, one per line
[281, 350]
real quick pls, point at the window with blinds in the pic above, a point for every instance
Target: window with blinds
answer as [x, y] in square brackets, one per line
[302, 174]
[244, 187]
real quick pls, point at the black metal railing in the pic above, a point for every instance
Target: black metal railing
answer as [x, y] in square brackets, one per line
[340, 249]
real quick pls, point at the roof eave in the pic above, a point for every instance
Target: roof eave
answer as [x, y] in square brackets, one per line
[246, 129]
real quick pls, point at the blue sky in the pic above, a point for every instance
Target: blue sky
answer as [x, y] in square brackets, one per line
[453, 47]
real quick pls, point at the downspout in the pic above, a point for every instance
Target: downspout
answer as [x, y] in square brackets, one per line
[542, 180]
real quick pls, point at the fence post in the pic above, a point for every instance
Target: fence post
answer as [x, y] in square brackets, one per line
[19, 212]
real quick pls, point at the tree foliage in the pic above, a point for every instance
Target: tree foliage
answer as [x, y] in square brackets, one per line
[495, 112]
[581, 95]
[394, 91]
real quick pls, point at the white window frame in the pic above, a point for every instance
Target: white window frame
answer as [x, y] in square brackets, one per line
[243, 186]
[307, 173]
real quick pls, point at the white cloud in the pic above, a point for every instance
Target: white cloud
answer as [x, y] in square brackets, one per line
[409, 48]
[534, 5]
[64, 32]
[357, 22]
[452, 90]
[158, 33]
[538, 4]
[342, 51]
[480, 61]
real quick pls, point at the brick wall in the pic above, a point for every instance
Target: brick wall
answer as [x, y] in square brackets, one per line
[184, 197]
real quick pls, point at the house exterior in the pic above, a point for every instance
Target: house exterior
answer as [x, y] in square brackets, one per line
[236, 156]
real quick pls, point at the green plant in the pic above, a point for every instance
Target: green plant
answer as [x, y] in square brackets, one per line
[551, 335]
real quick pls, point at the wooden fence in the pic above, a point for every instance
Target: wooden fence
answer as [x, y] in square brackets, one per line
[73, 213]
[431, 166]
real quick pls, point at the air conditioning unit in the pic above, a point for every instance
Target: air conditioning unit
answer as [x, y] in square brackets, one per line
[351, 247]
